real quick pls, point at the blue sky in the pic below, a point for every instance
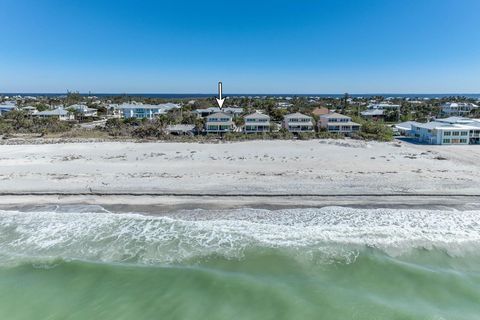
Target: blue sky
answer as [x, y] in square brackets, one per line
[323, 46]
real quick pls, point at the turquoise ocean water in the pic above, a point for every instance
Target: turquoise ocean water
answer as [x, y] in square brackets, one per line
[328, 263]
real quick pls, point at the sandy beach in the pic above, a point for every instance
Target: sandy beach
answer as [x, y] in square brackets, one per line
[280, 169]
[258, 167]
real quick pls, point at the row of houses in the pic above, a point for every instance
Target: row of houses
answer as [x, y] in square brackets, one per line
[222, 122]
[377, 111]
[60, 112]
[452, 130]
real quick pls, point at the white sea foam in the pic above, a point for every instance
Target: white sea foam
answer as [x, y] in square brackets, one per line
[328, 233]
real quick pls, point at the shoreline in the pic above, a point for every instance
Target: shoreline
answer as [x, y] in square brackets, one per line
[329, 171]
[159, 205]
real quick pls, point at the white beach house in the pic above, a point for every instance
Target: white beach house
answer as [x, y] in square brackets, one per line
[458, 108]
[373, 114]
[7, 107]
[298, 122]
[383, 106]
[219, 122]
[234, 111]
[257, 123]
[141, 111]
[338, 123]
[29, 110]
[60, 113]
[453, 130]
[83, 110]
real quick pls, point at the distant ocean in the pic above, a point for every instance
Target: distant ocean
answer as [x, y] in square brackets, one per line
[332, 263]
[207, 95]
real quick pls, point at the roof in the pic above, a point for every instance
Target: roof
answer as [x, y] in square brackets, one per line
[297, 115]
[349, 123]
[447, 126]
[7, 107]
[257, 115]
[219, 114]
[452, 120]
[383, 105]
[373, 112]
[459, 104]
[320, 111]
[407, 125]
[56, 112]
[163, 106]
[217, 110]
[335, 115]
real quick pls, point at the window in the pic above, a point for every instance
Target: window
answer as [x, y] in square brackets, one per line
[463, 140]
[447, 133]
[446, 140]
[464, 133]
[455, 133]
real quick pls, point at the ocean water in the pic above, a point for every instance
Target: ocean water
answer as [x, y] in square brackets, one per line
[323, 263]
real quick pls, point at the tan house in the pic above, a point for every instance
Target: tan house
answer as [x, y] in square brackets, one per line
[298, 122]
[219, 123]
[338, 123]
[257, 123]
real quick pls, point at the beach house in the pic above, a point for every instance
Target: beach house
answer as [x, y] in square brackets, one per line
[298, 122]
[234, 111]
[7, 107]
[219, 122]
[384, 106]
[29, 110]
[60, 113]
[453, 130]
[144, 111]
[83, 110]
[404, 128]
[373, 114]
[458, 108]
[338, 123]
[256, 123]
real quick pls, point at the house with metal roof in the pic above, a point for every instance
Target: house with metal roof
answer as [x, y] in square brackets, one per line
[141, 111]
[384, 106]
[83, 110]
[404, 128]
[7, 107]
[234, 111]
[60, 113]
[256, 123]
[298, 122]
[373, 114]
[453, 130]
[338, 123]
[458, 108]
[219, 122]
[29, 110]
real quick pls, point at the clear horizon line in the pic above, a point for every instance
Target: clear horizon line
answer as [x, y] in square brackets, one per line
[247, 93]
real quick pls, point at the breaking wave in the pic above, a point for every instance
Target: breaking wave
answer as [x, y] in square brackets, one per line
[324, 235]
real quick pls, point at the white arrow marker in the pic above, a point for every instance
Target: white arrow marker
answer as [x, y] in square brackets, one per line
[220, 100]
